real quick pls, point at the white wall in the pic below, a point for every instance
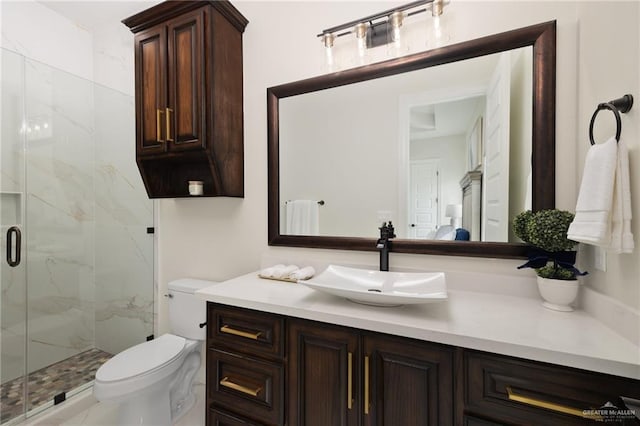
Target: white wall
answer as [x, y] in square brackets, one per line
[222, 238]
[607, 69]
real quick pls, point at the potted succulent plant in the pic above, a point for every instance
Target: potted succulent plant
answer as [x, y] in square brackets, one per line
[551, 255]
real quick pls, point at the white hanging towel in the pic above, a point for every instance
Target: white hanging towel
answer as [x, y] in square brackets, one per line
[621, 236]
[302, 217]
[603, 211]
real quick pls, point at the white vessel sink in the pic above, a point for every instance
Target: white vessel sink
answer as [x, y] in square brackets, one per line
[380, 288]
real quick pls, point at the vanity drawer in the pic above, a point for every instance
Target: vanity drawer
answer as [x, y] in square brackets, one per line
[247, 386]
[251, 332]
[222, 418]
[526, 392]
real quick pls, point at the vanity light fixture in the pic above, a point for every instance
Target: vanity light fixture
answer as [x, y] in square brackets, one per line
[384, 28]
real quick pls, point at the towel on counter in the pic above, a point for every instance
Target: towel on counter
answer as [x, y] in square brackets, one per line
[287, 273]
[303, 273]
[302, 217]
[603, 210]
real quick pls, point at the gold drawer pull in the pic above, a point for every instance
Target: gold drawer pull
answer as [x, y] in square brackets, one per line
[366, 384]
[559, 408]
[350, 381]
[229, 330]
[229, 384]
[159, 113]
[168, 117]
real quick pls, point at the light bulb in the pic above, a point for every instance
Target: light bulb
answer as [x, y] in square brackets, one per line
[327, 42]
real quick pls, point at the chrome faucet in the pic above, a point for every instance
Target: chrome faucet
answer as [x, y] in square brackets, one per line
[387, 232]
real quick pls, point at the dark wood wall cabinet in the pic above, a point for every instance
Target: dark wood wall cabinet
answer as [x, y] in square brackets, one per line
[271, 370]
[188, 97]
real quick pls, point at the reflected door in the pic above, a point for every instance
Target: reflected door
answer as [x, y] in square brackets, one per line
[495, 209]
[424, 188]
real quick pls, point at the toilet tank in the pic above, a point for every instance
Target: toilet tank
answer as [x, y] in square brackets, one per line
[186, 310]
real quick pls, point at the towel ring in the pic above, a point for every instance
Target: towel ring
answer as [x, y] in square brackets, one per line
[622, 104]
[611, 107]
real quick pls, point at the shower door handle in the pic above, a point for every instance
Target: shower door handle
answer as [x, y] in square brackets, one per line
[14, 260]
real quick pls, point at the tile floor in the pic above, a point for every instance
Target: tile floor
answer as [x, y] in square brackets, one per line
[47, 382]
[84, 410]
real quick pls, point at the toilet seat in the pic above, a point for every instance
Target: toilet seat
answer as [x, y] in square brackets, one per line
[141, 359]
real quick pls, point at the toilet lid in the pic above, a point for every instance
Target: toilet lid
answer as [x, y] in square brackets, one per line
[141, 358]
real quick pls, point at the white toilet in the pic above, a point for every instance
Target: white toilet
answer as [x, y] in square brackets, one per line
[152, 381]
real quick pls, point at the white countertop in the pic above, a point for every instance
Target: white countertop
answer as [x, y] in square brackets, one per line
[508, 325]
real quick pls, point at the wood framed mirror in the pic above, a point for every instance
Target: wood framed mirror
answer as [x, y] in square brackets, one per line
[291, 125]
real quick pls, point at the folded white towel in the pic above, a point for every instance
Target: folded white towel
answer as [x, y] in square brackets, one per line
[271, 271]
[603, 210]
[284, 272]
[303, 273]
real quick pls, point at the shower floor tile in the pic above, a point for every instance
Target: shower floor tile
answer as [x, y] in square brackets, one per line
[48, 382]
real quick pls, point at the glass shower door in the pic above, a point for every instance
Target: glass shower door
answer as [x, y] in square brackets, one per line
[13, 296]
[84, 287]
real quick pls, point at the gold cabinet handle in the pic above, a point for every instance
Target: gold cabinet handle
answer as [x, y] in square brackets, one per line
[231, 385]
[538, 403]
[229, 330]
[350, 381]
[159, 113]
[366, 384]
[169, 111]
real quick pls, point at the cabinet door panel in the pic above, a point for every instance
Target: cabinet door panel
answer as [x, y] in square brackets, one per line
[410, 383]
[319, 382]
[185, 115]
[151, 84]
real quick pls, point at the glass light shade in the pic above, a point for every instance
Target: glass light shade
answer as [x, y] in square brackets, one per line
[329, 57]
[397, 44]
[360, 31]
[439, 26]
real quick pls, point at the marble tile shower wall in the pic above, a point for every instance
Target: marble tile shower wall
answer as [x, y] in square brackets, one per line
[124, 251]
[89, 258]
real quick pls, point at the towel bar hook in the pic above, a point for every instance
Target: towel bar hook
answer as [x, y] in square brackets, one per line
[617, 106]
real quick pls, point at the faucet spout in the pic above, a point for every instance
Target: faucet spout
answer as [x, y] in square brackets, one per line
[384, 248]
[384, 244]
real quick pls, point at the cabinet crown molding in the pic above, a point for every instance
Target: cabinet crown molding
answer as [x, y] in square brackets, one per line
[170, 9]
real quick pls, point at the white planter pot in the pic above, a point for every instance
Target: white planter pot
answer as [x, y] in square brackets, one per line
[558, 294]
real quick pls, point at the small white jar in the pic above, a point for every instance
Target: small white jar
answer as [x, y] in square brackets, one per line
[196, 187]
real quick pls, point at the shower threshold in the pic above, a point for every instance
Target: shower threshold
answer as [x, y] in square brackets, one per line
[70, 375]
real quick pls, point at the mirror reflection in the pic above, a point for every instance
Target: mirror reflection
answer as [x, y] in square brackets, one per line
[444, 152]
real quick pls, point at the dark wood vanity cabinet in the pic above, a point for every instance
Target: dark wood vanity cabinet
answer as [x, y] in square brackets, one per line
[267, 369]
[189, 113]
[342, 376]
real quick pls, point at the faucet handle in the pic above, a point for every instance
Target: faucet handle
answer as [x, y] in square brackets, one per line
[391, 230]
[384, 230]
